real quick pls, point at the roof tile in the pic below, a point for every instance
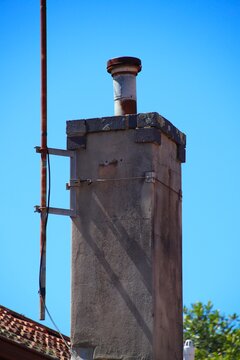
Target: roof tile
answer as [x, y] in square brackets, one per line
[33, 335]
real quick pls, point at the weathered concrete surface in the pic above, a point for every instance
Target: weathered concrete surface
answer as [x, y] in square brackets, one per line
[126, 249]
[167, 254]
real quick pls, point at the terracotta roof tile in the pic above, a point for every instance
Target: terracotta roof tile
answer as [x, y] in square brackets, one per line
[33, 335]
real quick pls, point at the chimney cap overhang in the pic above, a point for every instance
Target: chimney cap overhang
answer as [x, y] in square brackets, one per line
[124, 64]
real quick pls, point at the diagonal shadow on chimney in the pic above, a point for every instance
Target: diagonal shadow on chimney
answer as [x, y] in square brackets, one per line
[129, 244]
[134, 251]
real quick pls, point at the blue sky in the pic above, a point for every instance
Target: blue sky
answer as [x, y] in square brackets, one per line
[190, 54]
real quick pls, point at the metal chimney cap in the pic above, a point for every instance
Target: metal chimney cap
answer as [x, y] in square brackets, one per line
[124, 64]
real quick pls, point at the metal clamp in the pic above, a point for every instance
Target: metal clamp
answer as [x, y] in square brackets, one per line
[150, 176]
[77, 183]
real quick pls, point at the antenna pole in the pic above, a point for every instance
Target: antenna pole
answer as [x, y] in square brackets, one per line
[42, 275]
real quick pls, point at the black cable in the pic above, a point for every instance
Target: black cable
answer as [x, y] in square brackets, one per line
[41, 290]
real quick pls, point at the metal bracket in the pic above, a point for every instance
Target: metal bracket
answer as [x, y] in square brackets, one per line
[53, 210]
[53, 151]
[56, 211]
[150, 176]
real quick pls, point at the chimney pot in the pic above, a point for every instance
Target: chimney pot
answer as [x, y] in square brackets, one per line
[124, 71]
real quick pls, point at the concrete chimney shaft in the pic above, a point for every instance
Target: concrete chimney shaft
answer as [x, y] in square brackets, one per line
[126, 239]
[124, 71]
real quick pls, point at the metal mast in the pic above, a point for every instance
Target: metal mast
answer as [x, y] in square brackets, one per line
[42, 275]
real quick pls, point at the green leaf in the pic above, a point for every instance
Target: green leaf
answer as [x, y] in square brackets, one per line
[215, 335]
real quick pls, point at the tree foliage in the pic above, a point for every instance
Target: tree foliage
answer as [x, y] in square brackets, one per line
[215, 335]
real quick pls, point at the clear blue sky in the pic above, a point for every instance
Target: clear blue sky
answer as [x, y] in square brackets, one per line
[190, 52]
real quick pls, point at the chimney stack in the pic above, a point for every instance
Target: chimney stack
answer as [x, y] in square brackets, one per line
[126, 237]
[124, 71]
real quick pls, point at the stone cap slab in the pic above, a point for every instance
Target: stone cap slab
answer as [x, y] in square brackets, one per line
[77, 130]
